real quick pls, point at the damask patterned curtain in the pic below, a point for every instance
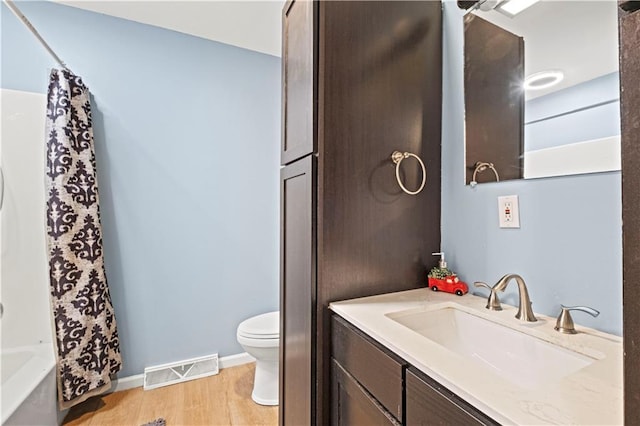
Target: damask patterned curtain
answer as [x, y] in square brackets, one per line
[87, 345]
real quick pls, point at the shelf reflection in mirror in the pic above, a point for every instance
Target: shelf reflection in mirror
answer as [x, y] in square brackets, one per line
[571, 127]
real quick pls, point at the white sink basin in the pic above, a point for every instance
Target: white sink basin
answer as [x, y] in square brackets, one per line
[518, 357]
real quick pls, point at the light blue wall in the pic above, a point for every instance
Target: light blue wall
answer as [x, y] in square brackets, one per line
[560, 117]
[187, 137]
[569, 246]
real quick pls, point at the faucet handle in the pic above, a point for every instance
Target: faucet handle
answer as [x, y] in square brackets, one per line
[493, 303]
[564, 324]
[481, 284]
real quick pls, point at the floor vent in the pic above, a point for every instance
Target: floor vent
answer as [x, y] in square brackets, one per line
[176, 372]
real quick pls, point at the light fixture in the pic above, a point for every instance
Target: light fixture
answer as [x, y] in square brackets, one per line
[512, 7]
[543, 80]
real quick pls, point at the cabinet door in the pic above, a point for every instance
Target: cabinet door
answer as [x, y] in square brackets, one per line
[352, 404]
[298, 82]
[375, 368]
[429, 403]
[297, 292]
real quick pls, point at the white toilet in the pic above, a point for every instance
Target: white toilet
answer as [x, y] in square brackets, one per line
[260, 337]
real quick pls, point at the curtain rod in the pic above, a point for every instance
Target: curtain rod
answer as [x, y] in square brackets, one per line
[31, 28]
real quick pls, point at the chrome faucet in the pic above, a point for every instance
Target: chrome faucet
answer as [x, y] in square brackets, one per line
[525, 313]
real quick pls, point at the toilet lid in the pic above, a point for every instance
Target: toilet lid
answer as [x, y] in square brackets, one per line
[265, 326]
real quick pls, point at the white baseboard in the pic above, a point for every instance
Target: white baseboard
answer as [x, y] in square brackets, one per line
[125, 383]
[136, 381]
[234, 360]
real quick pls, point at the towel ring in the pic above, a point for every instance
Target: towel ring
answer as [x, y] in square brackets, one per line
[397, 158]
[481, 166]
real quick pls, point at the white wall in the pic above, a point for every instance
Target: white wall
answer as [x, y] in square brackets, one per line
[253, 25]
[23, 267]
[593, 156]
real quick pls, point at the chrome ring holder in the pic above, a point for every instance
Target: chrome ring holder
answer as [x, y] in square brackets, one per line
[481, 166]
[397, 158]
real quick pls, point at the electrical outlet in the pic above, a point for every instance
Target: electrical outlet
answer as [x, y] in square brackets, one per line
[508, 211]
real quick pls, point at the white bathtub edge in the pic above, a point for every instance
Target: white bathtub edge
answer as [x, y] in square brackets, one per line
[18, 388]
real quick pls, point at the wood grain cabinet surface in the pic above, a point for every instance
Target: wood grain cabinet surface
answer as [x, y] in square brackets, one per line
[297, 291]
[360, 80]
[353, 404]
[430, 403]
[298, 82]
[379, 371]
[629, 26]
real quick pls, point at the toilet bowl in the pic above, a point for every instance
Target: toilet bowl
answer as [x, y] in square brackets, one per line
[259, 336]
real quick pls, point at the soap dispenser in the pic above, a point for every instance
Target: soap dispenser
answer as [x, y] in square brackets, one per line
[441, 278]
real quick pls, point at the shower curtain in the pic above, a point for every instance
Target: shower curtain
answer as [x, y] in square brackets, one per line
[87, 345]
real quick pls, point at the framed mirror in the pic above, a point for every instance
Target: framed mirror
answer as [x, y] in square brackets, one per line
[541, 89]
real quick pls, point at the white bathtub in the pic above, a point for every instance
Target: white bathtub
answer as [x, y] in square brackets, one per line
[29, 386]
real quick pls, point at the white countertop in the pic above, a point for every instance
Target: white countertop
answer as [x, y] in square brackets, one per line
[592, 395]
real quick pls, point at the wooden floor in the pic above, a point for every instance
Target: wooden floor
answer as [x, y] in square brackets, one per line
[223, 399]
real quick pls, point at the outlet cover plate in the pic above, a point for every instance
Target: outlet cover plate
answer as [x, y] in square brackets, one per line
[509, 211]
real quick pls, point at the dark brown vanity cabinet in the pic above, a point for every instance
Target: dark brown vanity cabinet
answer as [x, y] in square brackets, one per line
[353, 404]
[374, 370]
[430, 403]
[361, 79]
[372, 386]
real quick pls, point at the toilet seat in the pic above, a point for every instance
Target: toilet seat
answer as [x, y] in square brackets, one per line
[258, 343]
[261, 327]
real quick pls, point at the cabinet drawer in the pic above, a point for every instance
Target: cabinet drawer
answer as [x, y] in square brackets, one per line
[353, 405]
[430, 403]
[379, 371]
